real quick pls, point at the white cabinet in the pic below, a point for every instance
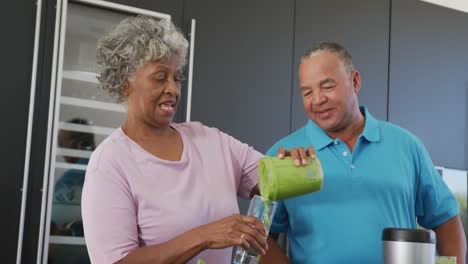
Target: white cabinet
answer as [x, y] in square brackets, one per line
[80, 117]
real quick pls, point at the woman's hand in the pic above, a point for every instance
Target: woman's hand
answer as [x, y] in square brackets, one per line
[299, 155]
[235, 230]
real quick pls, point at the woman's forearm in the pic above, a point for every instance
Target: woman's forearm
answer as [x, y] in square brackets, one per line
[178, 250]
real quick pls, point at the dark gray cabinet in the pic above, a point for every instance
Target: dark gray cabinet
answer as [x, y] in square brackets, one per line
[429, 78]
[363, 28]
[17, 56]
[242, 67]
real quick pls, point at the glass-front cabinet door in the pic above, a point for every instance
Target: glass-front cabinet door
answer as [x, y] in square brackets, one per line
[457, 181]
[80, 117]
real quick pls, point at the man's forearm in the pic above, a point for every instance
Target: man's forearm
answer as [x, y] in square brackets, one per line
[451, 239]
[255, 191]
[275, 254]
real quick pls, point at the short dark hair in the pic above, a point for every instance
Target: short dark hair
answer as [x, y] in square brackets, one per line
[76, 139]
[332, 47]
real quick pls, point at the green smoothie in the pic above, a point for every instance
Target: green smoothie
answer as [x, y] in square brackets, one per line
[281, 179]
[446, 260]
[267, 220]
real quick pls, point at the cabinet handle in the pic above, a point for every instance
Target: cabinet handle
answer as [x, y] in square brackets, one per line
[190, 72]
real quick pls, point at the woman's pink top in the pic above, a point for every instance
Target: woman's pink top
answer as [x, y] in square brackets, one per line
[133, 199]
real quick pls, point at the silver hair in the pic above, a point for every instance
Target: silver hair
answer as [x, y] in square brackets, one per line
[132, 43]
[334, 48]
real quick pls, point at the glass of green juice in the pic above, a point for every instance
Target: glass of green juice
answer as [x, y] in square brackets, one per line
[264, 210]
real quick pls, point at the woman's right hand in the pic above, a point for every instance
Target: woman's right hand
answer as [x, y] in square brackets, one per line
[235, 230]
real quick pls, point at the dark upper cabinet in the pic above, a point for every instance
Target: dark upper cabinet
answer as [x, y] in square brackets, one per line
[363, 28]
[429, 78]
[242, 67]
[17, 56]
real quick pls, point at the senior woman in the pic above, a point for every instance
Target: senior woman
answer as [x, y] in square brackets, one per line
[156, 191]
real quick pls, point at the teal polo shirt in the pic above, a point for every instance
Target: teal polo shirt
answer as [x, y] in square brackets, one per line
[388, 180]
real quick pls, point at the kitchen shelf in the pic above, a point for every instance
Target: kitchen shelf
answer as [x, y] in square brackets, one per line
[74, 153]
[67, 240]
[67, 100]
[86, 128]
[83, 76]
[70, 166]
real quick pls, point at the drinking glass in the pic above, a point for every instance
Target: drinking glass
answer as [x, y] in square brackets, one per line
[264, 210]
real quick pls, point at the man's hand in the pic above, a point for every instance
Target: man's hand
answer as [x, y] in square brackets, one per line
[299, 155]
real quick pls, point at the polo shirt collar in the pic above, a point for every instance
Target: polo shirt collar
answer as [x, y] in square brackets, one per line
[317, 135]
[371, 131]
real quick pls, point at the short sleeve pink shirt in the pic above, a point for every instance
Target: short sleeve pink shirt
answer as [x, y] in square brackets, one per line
[133, 199]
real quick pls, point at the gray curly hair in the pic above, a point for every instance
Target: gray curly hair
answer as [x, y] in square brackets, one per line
[132, 43]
